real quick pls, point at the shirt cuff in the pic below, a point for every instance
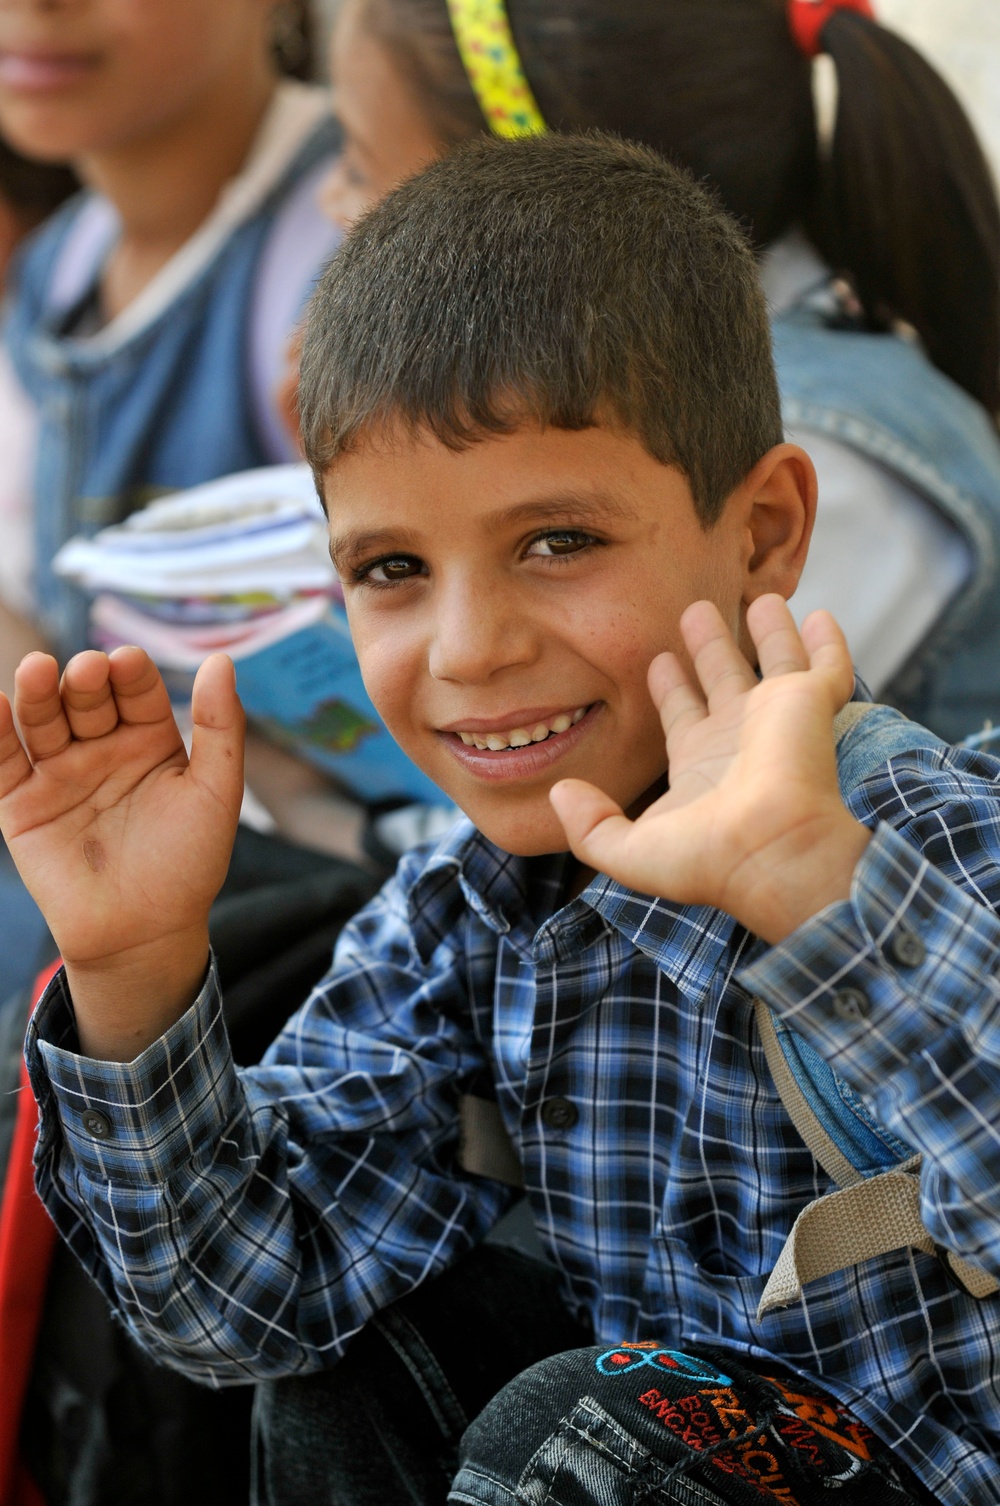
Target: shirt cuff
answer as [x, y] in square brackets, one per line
[870, 980]
[138, 1121]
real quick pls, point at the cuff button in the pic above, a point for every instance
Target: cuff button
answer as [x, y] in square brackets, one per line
[906, 948]
[850, 1004]
[98, 1125]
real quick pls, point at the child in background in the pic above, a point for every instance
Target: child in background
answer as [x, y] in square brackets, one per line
[134, 321]
[29, 193]
[530, 506]
[146, 323]
[880, 255]
[147, 320]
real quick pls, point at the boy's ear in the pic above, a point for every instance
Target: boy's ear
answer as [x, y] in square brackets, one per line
[778, 500]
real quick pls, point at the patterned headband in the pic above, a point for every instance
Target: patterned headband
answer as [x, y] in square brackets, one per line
[490, 58]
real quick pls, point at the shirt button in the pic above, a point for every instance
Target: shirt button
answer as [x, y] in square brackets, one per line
[850, 1004]
[906, 948]
[559, 1113]
[98, 1125]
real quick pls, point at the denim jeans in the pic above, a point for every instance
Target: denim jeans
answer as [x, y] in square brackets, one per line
[615, 1425]
[480, 1388]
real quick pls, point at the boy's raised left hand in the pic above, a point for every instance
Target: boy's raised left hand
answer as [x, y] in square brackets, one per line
[753, 822]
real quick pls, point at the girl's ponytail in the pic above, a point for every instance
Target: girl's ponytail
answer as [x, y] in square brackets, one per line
[905, 205]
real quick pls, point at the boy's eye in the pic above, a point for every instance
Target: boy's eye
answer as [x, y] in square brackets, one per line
[558, 542]
[388, 570]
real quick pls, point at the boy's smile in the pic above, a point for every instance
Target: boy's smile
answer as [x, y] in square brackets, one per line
[506, 601]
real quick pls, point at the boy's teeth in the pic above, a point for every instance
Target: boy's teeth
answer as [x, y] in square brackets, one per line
[520, 737]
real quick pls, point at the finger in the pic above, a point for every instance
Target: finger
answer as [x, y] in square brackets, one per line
[219, 730]
[780, 650]
[680, 705]
[39, 709]
[595, 827]
[141, 698]
[722, 671]
[603, 838]
[828, 651]
[87, 697]
[15, 765]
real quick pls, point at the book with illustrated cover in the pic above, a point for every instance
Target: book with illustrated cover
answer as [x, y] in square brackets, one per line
[306, 693]
[241, 565]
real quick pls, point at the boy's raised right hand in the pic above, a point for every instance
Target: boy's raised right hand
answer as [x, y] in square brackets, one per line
[122, 839]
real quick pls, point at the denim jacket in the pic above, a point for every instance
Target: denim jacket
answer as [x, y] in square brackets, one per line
[132, 412]
[879, 394]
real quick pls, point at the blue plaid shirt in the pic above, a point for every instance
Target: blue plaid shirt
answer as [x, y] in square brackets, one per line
[246, 1223]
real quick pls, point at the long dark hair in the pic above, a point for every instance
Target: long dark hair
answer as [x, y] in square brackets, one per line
[902, 204]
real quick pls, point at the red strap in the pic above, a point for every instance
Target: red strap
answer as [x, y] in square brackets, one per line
[27, 1239]
[807, 20]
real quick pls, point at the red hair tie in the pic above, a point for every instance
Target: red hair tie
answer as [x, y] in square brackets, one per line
[807, 18]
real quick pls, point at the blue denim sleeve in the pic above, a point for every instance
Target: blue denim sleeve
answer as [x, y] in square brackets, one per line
[247, 1223]
[897, 989]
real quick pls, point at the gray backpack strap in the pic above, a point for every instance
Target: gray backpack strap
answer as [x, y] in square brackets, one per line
[823, 1146]
[869, 1216]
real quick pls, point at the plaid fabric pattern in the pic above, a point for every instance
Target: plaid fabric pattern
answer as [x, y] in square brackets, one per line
[247, 1223]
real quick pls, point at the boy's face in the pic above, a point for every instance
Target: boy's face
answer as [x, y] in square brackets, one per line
[506, 601]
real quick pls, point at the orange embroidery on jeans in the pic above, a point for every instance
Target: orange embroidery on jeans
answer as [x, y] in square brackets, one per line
[824, 1417]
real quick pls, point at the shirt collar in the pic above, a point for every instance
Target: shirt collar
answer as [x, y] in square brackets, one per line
[516, 897]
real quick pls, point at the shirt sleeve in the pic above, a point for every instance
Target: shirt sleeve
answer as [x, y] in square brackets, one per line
[898, 990]
[247, 1222]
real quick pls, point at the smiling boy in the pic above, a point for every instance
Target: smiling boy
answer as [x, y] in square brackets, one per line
[538, 397]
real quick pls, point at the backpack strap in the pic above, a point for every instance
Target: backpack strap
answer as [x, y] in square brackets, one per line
[869, 1216]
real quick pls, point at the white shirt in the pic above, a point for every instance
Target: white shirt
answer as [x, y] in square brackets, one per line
[883, 560]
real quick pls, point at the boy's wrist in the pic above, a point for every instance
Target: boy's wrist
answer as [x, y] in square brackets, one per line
[125, 1002]
[819, 874]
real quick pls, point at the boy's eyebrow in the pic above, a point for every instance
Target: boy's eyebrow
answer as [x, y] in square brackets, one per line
[579, 507]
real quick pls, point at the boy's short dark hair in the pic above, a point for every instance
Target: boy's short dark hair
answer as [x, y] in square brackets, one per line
[561, 280]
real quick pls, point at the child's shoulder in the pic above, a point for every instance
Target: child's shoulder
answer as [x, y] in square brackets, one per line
[80, 229]
[869, 735]
[941, 798]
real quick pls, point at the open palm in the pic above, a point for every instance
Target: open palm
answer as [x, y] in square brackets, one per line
[753, 822]
[121, 839]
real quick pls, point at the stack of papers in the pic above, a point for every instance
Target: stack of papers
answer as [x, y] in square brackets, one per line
[242, 565]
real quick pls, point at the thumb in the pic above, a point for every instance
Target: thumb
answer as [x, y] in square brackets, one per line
[219, 729]
[596, 828]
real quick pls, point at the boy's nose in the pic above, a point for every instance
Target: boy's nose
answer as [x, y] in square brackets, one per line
[477, 632]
